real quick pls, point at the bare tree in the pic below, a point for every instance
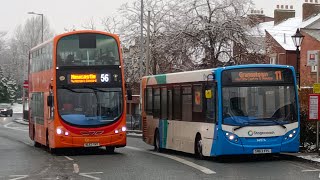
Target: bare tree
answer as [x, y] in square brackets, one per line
[90, 24]
[111, 24]
[24, 38]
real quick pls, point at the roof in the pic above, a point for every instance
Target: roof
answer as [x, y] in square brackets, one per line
[313, 32]
[259, 29]
[200, 75]
[282, 32]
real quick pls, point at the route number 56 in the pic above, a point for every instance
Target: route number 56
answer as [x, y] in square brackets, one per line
[105, 78]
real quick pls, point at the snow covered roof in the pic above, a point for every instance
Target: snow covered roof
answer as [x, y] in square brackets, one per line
[282, 32]
[259, 29]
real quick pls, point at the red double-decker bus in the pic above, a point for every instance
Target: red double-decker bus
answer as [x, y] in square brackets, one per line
[77, 91]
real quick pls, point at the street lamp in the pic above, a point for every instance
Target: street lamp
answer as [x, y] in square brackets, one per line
[41, 23]
[297, 40]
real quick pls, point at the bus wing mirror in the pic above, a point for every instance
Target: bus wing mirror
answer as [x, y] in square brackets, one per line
[129, 94]
[208, 94]
[50, 101]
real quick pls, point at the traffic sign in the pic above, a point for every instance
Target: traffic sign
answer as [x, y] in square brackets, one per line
[316, 88]
[25, 84]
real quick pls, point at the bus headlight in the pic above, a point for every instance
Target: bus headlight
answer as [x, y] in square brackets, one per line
[232, 137]
[124, 129]
[291, 134]
[116, 131]
[59, 131]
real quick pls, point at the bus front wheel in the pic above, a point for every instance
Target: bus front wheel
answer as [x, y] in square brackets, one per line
[50, 149]
[198, 147]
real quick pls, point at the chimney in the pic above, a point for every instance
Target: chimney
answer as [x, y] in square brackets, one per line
[310, 9]
[282, 13]
[258, 16]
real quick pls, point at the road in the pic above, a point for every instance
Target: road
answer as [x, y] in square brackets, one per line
[19, 159]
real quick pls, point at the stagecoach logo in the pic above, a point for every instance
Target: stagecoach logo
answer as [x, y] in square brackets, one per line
[251, 133]
[62, 78]
[91, 133]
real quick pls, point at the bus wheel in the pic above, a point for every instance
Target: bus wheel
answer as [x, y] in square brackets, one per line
[157, 142]
[198, 147]
[110, 150]
[36, 144]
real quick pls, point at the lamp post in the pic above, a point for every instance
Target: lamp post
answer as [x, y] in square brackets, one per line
[41, 23]
[297, 40]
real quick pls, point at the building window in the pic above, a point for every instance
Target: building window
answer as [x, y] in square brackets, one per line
[273, 60]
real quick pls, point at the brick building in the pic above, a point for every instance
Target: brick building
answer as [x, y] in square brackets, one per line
[281, 49]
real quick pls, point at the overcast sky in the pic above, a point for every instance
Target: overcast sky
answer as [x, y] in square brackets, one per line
[60, 13]
[66, 13]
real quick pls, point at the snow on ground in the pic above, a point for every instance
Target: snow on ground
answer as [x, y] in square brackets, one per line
[17, 108]
[311, 157]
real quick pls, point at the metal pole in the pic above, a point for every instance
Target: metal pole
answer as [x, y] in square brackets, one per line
[317, 142]
[141, 40]
[41, 27]
[148, 45]
[298, 66]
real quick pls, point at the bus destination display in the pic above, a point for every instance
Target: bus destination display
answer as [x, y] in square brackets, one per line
[253, 76]
[89, 78]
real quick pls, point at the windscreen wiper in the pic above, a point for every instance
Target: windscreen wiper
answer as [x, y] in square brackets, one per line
[245, 125]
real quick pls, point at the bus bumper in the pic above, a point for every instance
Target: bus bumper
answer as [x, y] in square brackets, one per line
[263, 145]
[114, 140]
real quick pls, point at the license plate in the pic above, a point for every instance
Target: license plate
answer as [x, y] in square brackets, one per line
[261, 151]
[91, 144]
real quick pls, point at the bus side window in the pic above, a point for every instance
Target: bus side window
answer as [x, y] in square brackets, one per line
[211, 106]
[149, 101]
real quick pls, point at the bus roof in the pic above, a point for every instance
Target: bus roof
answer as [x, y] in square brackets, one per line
[200, 75]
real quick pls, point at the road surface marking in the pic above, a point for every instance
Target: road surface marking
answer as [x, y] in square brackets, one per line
[310, 170]
[7, 126]
[76, 168]
[17, 177]
[88, 175]
[70, 159]
[183, 161]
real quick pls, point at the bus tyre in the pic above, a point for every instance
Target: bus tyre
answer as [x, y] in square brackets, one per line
[50, 149]
[36, 144]
[198, 147]
[157, 142]
[109, 149]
